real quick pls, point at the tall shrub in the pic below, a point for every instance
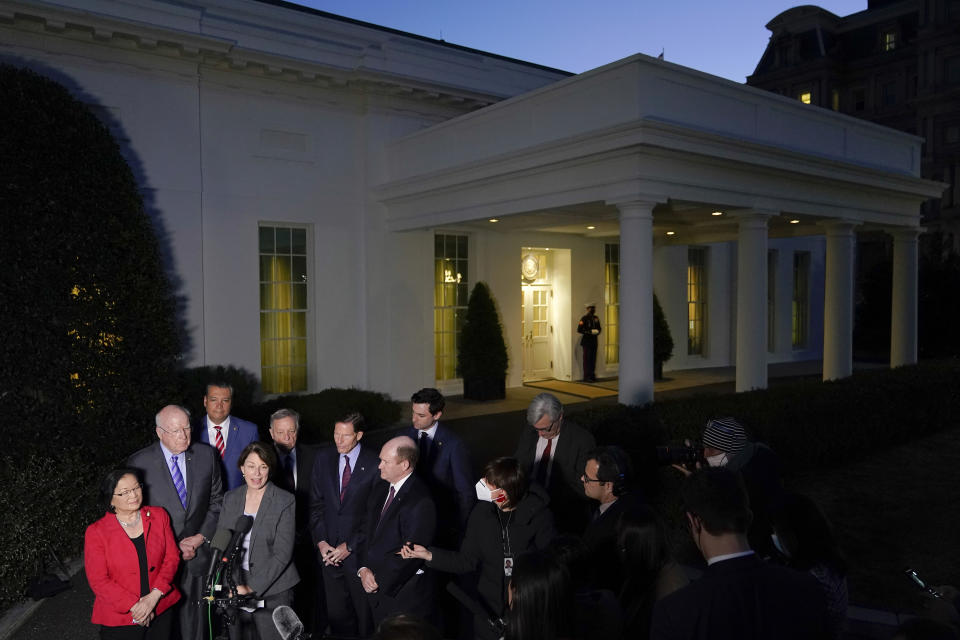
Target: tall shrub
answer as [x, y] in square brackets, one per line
[662, 340]
[482, 354]
[90, 341]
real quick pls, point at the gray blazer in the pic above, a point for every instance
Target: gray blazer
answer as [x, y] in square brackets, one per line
[271, 538]
[204, 493]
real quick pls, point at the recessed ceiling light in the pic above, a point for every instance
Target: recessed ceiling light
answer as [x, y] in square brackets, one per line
[671, 233]
[717, 213]
[494, 219]
[794, 221]
[591, 227]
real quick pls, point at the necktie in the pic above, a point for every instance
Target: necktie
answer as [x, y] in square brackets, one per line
[386, 505]
[288, 469]
[424, 446]
[541, 474]
[345, 478]
[178, 481]
[220, 445]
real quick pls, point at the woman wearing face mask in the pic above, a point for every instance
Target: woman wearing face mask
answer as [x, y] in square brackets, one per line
[510, 518]
[803, 535]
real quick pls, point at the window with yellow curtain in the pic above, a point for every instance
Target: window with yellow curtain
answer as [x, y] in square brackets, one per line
[611, 300]
[283, 308]
[449, 301]
[801, 299]
[696, 300]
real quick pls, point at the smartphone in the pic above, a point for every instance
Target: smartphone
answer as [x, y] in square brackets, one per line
[917, 580]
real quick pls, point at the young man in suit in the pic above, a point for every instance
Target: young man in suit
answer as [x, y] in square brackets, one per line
[294, 467]
[340, 486]
[225, 433]
[739, 596]
[400, 512]
[184, 480]
[554, 454]
[444, 463]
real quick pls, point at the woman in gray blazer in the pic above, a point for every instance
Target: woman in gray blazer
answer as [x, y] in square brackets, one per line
[266, 569]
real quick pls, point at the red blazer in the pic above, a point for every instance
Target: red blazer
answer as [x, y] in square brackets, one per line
[113, 570]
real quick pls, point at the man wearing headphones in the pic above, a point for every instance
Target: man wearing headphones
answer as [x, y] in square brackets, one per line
[606, 479]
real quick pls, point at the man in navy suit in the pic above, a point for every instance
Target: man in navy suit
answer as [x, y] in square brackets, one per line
[400, 512]
[444, 464]
[228, 434]
[739, 596]
[340, 486]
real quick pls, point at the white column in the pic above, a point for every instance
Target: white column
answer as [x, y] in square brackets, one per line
[903, 321]
[636, 302]
[752, 301]
[838, 300]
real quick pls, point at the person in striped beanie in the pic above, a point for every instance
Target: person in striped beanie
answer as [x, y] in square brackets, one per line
[725, 444]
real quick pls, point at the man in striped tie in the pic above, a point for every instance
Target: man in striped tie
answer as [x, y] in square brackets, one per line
[185, 480]
[228, 434]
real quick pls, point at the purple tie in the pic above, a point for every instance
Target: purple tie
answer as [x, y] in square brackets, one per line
[178, 481]
[345, 479]
[386, 505]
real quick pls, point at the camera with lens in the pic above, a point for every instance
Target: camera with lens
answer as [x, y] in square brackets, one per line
[687, 455]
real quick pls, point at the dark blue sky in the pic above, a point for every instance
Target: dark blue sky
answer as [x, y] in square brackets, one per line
[722, 37]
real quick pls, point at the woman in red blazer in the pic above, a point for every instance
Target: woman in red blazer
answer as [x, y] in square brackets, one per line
[130, 557]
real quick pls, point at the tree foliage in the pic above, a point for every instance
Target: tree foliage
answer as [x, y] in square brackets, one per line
[91, 343]
[662, 340]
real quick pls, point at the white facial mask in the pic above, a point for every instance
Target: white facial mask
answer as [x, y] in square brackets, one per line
[483, 493]
[718, 460]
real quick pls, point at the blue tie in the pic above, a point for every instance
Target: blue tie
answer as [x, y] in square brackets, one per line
[178, 481]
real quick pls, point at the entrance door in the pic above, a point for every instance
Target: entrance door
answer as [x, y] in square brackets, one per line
[537, 332]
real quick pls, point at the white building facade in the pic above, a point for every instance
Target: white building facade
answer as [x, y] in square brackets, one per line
[330, 191]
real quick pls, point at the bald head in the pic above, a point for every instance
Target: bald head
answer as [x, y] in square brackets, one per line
[173, 428]
[398, 458]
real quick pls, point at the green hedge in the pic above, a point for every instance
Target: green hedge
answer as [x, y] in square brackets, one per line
[318, 411]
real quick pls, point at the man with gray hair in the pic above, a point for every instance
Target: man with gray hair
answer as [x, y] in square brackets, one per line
[294, 469]
[185, 480]
[554, 454]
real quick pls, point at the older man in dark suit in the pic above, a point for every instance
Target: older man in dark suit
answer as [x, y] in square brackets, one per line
[400, 512]
[294, 467]
[184, 480]
[739, 596]
[554, 454]
[339, 491]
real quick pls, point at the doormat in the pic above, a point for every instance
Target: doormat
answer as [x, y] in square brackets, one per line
[573, 388]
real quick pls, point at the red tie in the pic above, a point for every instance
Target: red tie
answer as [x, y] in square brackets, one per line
[220, 446]
[544, 464]
[346, 478]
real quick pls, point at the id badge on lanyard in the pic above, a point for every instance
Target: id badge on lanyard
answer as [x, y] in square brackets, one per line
[508, 565]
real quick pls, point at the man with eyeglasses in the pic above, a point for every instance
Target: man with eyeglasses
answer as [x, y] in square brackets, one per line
[186, 482]
[606, 479]
[554, 454]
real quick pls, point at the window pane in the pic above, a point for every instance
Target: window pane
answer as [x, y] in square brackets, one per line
[299, 269]
[283, 240]
[451, 290]
[299, 241]
[266, 240]
[299, 296]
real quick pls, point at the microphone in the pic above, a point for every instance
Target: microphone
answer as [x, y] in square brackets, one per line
[240, 529]
[218, 543]
[497, 624]
[288, 624]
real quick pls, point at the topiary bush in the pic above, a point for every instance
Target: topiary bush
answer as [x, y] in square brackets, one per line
[90, 341]
[662, 340]
[482, 353]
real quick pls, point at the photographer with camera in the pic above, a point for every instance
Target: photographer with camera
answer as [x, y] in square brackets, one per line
[725, 444]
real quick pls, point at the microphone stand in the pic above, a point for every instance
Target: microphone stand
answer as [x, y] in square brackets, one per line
[227, 607]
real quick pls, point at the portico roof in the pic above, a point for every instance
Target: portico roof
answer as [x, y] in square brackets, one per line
[643, 129]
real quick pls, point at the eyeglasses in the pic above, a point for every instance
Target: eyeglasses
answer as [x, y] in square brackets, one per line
[584, 477]
[126, 492]
[547, 428]
[176, 434]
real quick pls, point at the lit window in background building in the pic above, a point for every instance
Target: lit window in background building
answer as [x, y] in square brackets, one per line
[611, 300]
[450, 295]
[696, 300]
[806, 97]
[283, 309]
